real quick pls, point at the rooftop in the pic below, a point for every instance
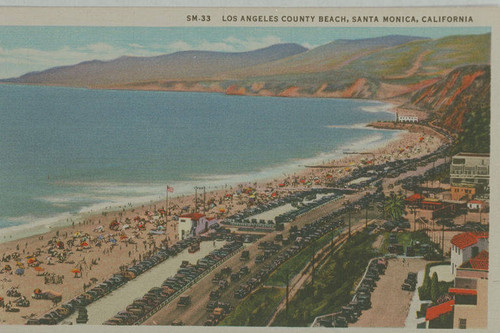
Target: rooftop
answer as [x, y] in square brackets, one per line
[415, 197]
[193, 216]
[438, 310]
[472, 155]
[479, 262]
[476, 202]
[467, 239]
[462, 291]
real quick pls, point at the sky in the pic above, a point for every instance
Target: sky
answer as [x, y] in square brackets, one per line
[27, 49]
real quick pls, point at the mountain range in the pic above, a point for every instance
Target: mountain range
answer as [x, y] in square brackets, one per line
[440, 75]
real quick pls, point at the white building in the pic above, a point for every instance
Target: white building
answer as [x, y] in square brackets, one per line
[408, 119]
[470, 168]
[475, 205]
[466, 246]
[194, 224]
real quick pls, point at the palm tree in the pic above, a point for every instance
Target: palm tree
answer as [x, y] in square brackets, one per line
[394, 206]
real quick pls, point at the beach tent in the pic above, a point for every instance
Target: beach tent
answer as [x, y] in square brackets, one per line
[122, 237]
[19, 271]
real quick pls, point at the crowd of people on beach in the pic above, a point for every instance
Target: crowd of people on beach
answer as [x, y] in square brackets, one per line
[122, 238]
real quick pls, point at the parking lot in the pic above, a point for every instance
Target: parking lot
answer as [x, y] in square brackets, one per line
[390, 304]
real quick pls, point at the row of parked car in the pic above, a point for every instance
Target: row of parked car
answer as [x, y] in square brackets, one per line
[117, 280]
[361, 300]
[243, 218]
[142, 307]
[66, 309]
[303, 237]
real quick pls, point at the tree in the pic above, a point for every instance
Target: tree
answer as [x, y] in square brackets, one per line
[394, 206]
[434, 287]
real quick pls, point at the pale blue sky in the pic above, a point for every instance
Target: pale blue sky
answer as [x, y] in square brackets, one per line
[25, 49]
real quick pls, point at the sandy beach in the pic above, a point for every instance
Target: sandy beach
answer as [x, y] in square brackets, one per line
[96, 251]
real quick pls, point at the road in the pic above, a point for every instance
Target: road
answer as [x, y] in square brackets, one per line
[196, 313]
[390, 304]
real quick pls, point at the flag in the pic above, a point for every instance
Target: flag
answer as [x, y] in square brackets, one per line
[170, 189]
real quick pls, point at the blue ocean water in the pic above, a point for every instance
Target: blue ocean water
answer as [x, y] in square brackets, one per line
[66, 150]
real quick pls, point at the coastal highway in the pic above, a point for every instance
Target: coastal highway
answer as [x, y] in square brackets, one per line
[106, 307]
[196, 313]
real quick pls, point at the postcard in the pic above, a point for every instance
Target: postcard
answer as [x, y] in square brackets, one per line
[247, 167]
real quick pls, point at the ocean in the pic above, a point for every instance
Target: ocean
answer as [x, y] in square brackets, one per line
[68, 151]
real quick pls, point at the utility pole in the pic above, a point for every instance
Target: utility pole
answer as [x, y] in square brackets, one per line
[333, 237]
[312, 261]
[196, 188]
[349, 210]
[366, 217]
[286, 305]
[442, 242]
[414, 211]
[196, 199]
[204, 201]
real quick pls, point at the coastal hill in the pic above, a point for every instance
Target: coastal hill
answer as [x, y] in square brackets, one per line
[460, 102]
[374, 68]
[184, 65]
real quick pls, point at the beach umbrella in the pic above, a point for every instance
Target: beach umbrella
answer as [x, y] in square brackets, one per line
[39, 269]
[75, 270]
[222, 210]
[19, 271]
[7, 268]
[37, 291]
[112, 240]
[84, 244]
[31, 260]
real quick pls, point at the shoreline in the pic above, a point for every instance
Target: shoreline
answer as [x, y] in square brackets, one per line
[216, 183]
[109, 256]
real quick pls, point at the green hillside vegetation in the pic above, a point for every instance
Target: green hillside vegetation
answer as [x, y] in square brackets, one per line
[319, 59]
[333, 285]
[440, 54]
[327, 64]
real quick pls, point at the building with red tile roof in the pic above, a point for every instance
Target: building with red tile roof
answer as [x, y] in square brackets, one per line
[479, 262]
[194, 224]
[469, 306]
[438, 310]
[471, 293]
[192, 216]
[466, 246]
